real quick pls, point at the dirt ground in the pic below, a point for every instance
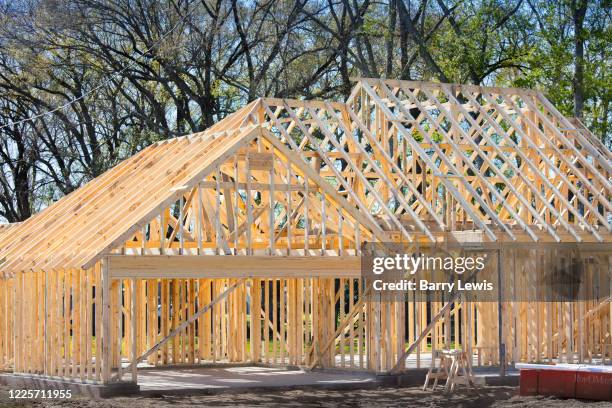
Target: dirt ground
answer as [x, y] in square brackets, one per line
[499, 397]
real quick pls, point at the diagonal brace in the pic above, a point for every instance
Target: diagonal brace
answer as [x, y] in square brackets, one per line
[184, 325]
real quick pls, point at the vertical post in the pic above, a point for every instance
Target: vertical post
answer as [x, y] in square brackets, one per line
[289, 209]
[199, 218]
[143, 240]
[217, 210]
[162, 232]
[45, 330]
[106, 329]
[119, 329]
[323, 225]
[256, 320]
[340, 237]
[447, 325]
[500, 333]
[249, 208]
[134, 331]
[237, 198]
[181, 225]
[306, 226]
[375, 348]
[15, 328]
[271, 215]
[569, 332]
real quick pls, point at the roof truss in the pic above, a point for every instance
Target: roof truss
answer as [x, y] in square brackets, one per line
[402, 159]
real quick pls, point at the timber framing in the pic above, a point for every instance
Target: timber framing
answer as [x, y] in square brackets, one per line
[242, 243]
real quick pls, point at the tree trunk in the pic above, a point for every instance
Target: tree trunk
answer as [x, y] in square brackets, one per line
[390, 37]
[579, 9]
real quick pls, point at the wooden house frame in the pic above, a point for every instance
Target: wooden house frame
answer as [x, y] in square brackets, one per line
[242, 243]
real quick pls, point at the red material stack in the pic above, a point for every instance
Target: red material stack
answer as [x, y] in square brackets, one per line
[596, 386]
[529, 382]
[565, 382]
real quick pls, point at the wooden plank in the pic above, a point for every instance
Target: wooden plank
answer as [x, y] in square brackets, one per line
[106, 329]
[154, 266]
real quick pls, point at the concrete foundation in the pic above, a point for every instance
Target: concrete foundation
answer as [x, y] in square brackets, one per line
[22, 382]
[207, 380]
[246, 379]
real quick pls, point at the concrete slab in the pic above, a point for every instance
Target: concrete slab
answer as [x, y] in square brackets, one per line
[77, 388]
[490, 376]
[219, 379]
[241, 379]
[213, 380]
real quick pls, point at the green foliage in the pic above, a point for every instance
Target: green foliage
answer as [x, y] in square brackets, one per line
[125, 81]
